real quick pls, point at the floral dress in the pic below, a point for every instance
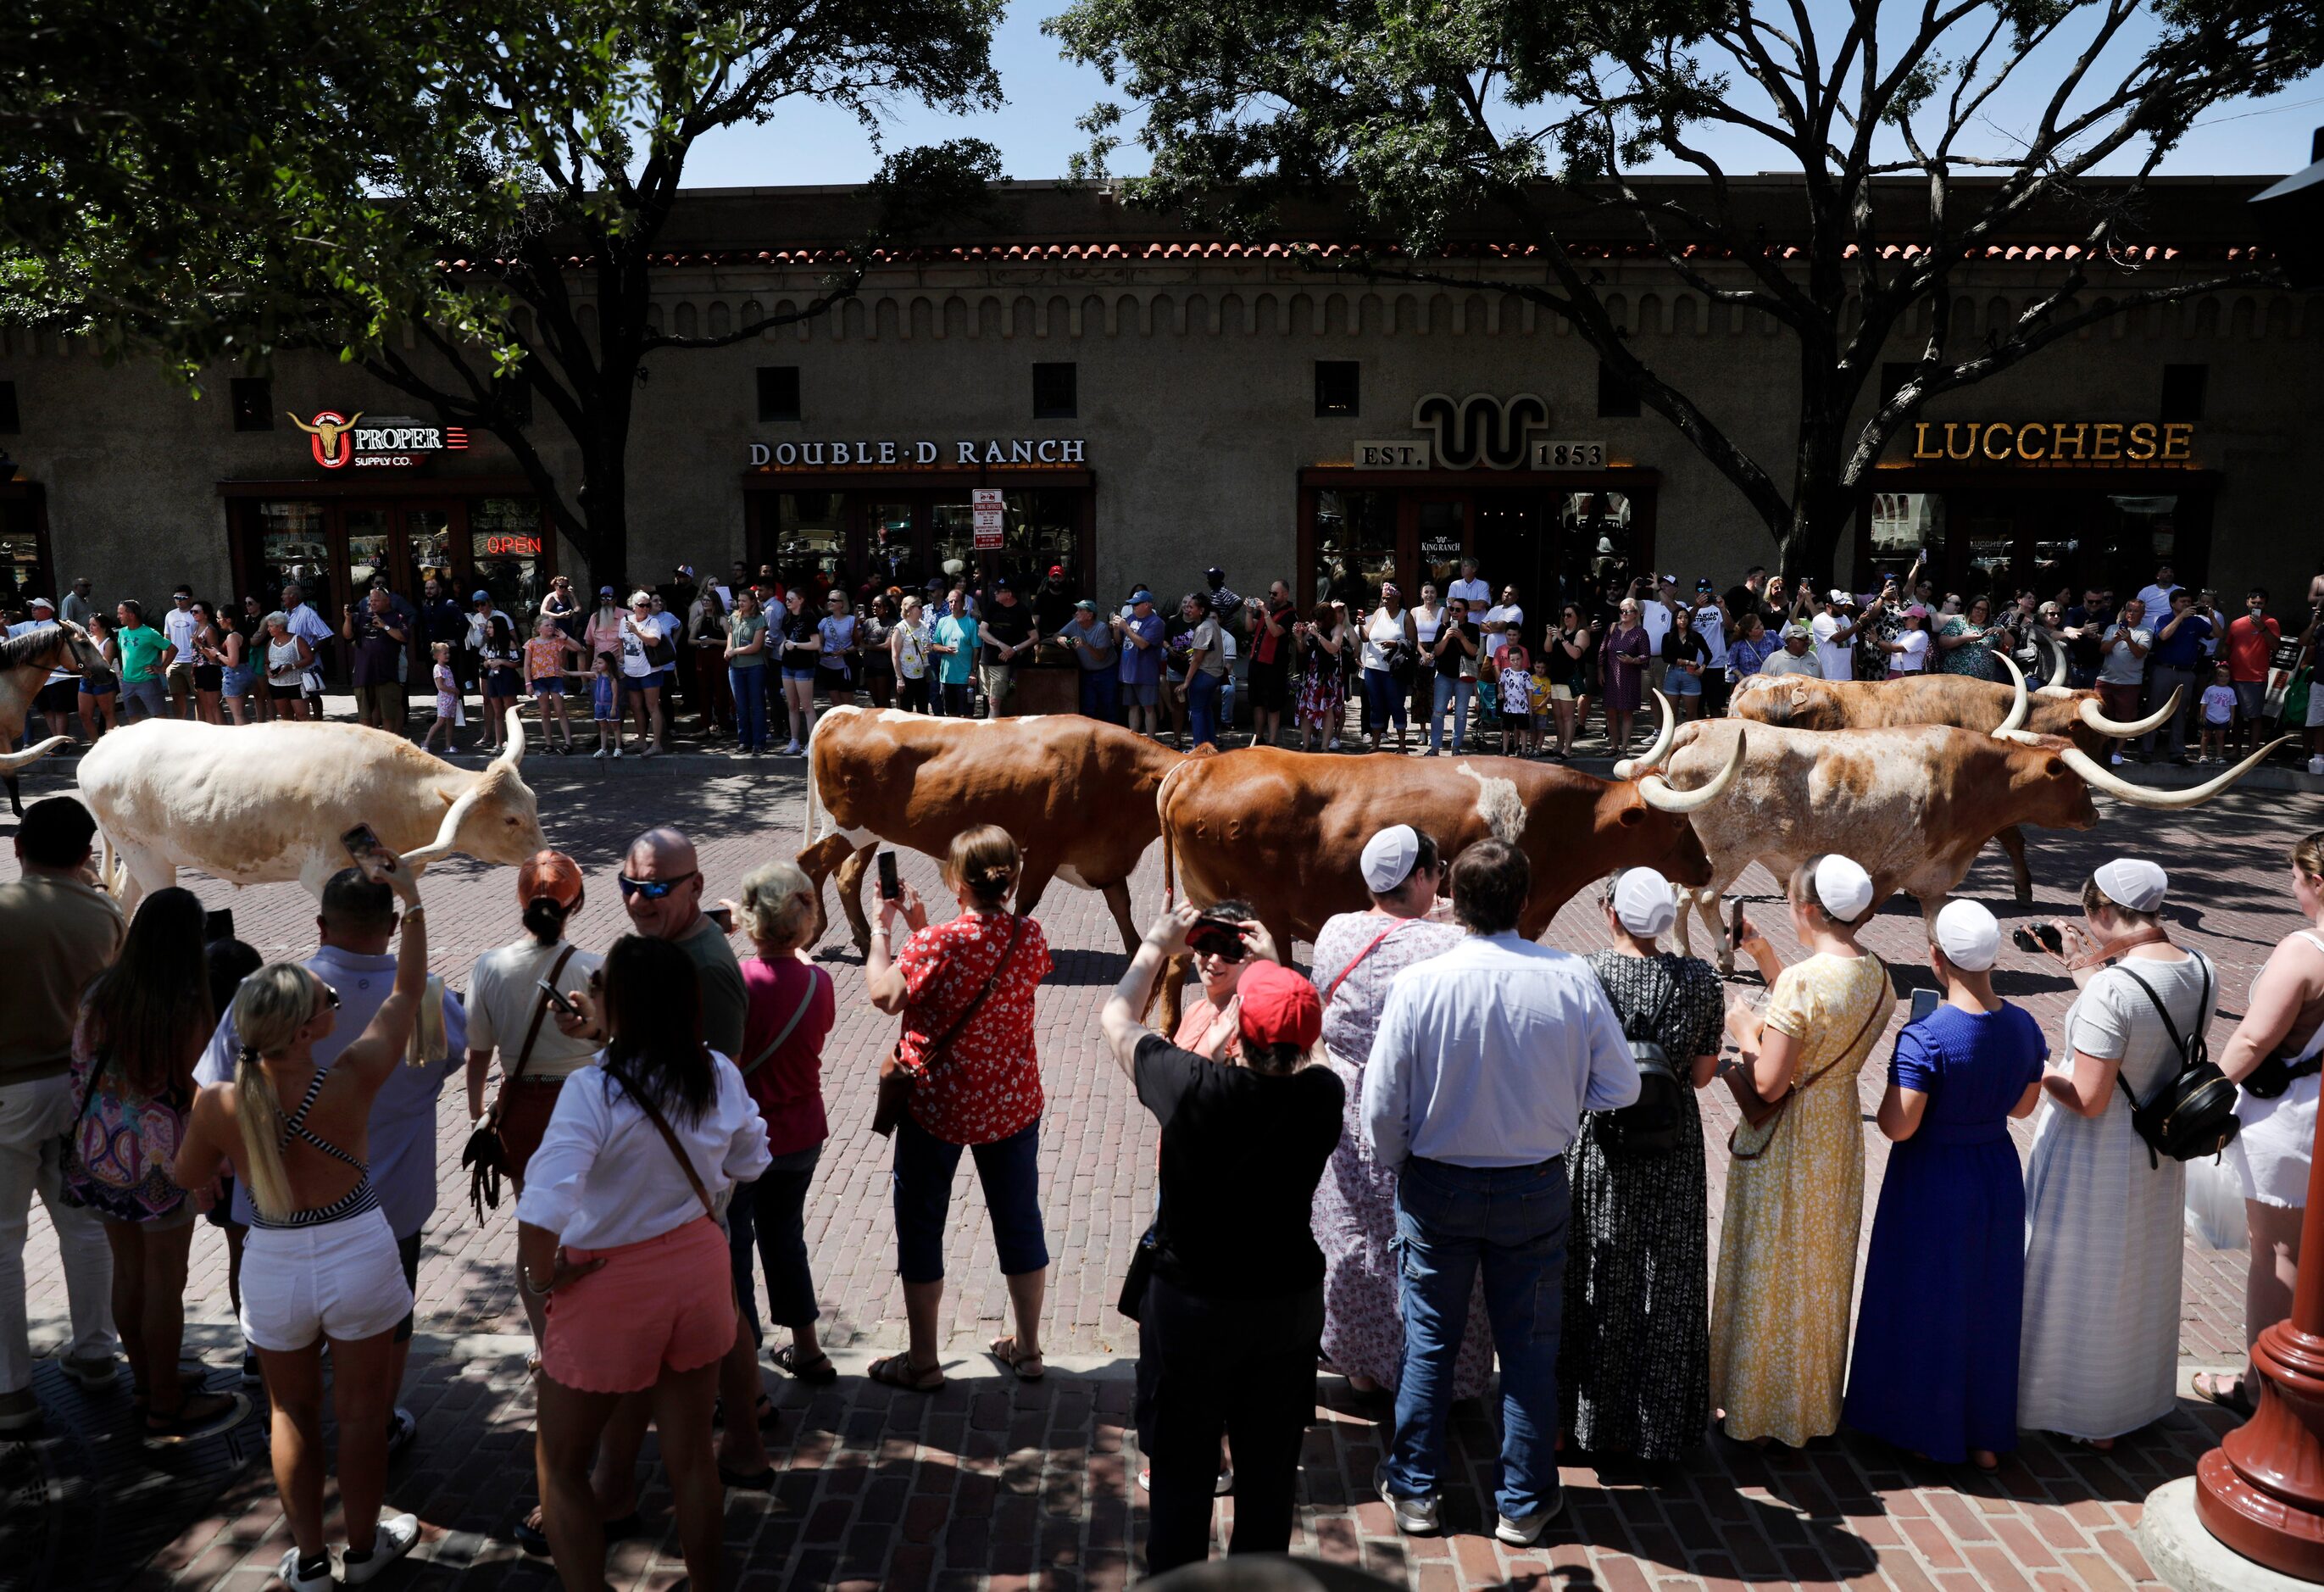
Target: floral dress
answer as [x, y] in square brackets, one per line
[1794, 1207]
[1975, 658]
[1634, 1360]
[1322, 689]
[1354, 1214]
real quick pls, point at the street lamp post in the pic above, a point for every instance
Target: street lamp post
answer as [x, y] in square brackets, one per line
[2261, 1491]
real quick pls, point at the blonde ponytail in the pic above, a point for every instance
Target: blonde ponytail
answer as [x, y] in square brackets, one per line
[269, 1009]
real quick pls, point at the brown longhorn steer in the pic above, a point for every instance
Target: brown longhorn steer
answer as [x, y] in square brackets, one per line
[1077, 794]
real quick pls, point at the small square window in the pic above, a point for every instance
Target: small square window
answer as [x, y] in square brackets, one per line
[1616, 399]
[1339, 387]
[253, 399]
[2182, 391]
[1056, 392]
[779, 392]
[9, 424]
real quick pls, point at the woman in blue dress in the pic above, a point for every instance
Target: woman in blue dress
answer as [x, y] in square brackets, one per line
[1935, 1365]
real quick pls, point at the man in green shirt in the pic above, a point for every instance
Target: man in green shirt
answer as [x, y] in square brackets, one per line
[146, 655]
[61, 932]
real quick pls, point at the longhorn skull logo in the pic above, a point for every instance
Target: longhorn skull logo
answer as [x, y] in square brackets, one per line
[327, 436]
[1481, 429]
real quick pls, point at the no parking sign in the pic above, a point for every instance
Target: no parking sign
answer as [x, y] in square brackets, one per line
[985, 505]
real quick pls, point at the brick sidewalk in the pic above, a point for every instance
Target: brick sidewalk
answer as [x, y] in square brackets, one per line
[992, 1481]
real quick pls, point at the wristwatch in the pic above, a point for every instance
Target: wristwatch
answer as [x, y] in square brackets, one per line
[524, 1280]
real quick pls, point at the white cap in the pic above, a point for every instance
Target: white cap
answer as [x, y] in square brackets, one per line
[1969, 935]
[1389, 856]
[1837, 596]
[1643, 901]
[1843, 886]
[2133, 881]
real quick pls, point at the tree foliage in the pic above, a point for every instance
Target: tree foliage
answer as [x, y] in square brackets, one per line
[494, 180]
[1429, 114]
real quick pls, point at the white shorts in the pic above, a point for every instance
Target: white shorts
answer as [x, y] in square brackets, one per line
[340, 1279]
[2269, 1155]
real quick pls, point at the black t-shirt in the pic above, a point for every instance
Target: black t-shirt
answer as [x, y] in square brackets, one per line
[1449, 661]
[1242, 1154]
[1010, 622]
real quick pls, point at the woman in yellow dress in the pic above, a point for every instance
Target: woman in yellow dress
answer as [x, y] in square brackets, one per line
[1796, 1186]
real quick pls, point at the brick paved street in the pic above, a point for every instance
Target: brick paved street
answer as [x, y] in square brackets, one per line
[993, 1483]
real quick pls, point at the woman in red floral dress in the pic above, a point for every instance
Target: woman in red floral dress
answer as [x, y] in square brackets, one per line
[980, 1090]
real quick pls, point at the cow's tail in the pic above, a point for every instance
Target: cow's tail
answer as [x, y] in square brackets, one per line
[1169, 852]
[816, 814]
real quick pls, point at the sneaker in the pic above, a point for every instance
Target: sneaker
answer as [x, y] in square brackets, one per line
[288, 1569]
[1522, 1531]
[600, 752]
[617, 752]
[95, 1373]
[2316, 765]
[1414, 1517]
[397, 1534]
[19, 1411]
[402, 1428]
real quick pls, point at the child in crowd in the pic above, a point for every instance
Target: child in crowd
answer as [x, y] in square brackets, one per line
[544, 672]
[606, 702]
[448, 698]
[2218, 714]
[1516, 699]
[1545, 723]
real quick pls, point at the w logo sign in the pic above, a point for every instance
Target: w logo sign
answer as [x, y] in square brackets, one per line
[1481, 429]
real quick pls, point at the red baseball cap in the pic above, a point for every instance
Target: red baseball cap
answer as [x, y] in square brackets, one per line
[1279, 1007]
[1056, 569]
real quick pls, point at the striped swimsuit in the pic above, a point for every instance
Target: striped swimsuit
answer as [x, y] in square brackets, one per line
[356, 1201]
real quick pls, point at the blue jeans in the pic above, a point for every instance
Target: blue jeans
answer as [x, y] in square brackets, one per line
[1384, 700]
[1010, 1172]
[771, 1215]
[1101, 695]
[1510, 1221]
[1203, 707]
[750, 687]
[1454, 693]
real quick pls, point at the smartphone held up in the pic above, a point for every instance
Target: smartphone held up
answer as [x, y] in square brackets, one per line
[372, 859]
[891, 888]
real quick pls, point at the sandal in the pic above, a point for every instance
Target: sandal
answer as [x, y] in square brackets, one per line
[896, 1371]
[818, 1372]
[2227, 1393]
[1005, 1350]
[201, 1415]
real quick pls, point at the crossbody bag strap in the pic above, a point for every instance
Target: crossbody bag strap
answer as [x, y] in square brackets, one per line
[2202, 999]
[814, 977]
[532, 1033]
[661, 1125]
[1378, 940]
[943, 1044]
[1870, 1017]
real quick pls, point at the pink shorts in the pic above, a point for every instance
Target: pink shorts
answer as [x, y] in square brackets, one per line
[662, 1303]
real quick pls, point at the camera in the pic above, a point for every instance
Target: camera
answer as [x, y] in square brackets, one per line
[2039, 938]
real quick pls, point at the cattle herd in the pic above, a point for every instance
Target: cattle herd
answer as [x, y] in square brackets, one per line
[1909, 776]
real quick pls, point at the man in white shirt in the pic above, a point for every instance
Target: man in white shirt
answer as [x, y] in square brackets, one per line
[1834, 631]
[357, 923]
[1655, 615]
[1710, 625]
[1469, 588]
[2156, 595]
[179, 625]
[307, 625]
[1502, 620]
[1485, 1059]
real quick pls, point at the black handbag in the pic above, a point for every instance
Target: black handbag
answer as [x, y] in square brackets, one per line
[485, 1154]
[1141, 1273]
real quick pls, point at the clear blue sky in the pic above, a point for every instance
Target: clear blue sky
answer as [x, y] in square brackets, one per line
[1035, 131]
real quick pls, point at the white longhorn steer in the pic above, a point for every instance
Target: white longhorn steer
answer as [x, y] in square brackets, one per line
[260, 804]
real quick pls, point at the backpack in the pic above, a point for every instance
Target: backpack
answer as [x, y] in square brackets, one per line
[2193, 1114]
[1654, 1123]
[120, 1149]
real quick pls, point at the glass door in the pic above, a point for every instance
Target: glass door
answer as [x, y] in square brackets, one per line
[370, 545]
[1355, 547]
[506, 555]
[891, 551]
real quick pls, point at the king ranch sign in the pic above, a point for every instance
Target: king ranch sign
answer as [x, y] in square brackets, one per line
[388, 442]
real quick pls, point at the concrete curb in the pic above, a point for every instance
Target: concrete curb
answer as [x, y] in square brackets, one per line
[2184, 1554]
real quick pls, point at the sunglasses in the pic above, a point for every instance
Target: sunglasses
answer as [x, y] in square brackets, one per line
[330, 996]
[652, 889]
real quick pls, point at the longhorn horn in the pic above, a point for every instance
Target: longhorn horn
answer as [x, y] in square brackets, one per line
[12, 761]
[2057, 669]
[2121, 790]
[443, 846]
[2019, 706]
[1631, 767]
[514, 755]
[2125, 730]
[1657, 792]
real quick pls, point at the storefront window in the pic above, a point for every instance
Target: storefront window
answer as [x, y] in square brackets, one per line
[1039, 530]
[1594, 547]
[367, 544]
[504, 542]
[1906, 524]
[1355, 545]
[21, 575]
[428, 540]
[1989, 546]
[811, 539]
[887, 553]
[294, 550]
[952, 538]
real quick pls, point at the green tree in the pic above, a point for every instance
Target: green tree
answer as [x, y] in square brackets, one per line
[496, 181]
[1425, 116]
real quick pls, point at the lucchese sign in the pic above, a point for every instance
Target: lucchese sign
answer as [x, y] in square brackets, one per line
[851, 455]
[2053, 443]
[1479, 431]
[390, 441]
